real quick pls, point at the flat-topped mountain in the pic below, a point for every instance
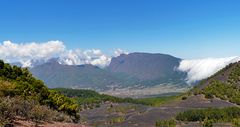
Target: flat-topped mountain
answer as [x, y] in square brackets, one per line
[145, 66]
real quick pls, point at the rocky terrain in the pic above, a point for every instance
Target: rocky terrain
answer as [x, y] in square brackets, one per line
[131, 115]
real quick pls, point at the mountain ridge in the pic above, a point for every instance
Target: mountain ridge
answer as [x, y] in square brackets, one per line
[139, 70]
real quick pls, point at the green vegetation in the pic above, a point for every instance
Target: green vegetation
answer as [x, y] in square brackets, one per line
[156, 101]
[23, 95]
[223, 91]
[121, 109]
[118, 119]
[166, 123]
[236, 122]
[207, 117]
[90, 98]
[227, 89]
[211, 115]
[233, 77]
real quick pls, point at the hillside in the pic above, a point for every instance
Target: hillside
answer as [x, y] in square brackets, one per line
[225, 84]
[81, 76]
[222, 94]
[23, 97]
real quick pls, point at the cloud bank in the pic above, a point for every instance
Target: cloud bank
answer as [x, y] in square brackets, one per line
[202, 68]
[31, 54]
[28, 53]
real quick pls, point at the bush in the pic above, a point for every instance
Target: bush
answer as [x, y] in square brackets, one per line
[166, 123]
[208, 123]
[119, 119]
[6, 112]
[209, 96]
[22, 107]
[60, 117]
[40, 113]
[210, 115]
[236, 122]
[29, 110]
[184, 98]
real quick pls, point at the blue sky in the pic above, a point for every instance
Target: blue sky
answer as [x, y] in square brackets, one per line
[183, 28]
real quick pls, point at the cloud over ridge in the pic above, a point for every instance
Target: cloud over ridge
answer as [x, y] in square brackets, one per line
[26, 53]
[199, 69]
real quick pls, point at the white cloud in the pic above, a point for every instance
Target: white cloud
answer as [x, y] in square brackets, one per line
[202, 68]
[24, 52]
[78, 57]
[29, 53]
[118, 52]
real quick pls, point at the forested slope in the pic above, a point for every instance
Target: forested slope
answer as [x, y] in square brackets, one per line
[23, 96]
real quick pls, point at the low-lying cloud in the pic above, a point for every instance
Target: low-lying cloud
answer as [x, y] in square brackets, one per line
[25, 53]
[202, 68]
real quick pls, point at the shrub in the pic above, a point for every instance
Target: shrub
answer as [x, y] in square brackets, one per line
[208, 123]
[29, 110]
[119, 119]
[23, 107]
[184, 98]
[166, 123]
[236, 122]
[6, 112]
[6, 88]
[208, 95]
[60, 117]
[40, 113]
[227, 114]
